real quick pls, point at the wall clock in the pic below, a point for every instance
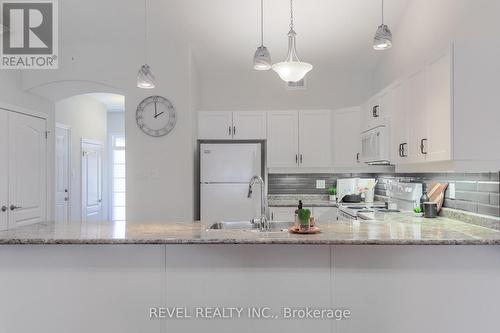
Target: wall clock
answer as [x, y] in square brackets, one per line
[156, 116]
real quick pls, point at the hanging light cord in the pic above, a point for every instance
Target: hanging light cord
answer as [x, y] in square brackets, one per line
[382, 12]
[261, 22]
[291, 14]
[146, 30]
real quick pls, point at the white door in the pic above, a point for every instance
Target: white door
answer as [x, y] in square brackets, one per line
[62, 173]
[92, 209]
[27, 170]
[399, 123]
[417, 116]
[249, 125]
[346, 138]
[215, 125]
[438, 109]
[282, 139]
[4, 169]
[314, 139]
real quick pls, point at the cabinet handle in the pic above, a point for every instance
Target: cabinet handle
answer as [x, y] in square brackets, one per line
[4, 208]
[403, 145]
[301, 159]
[400, 150]
[422, 146]
[357, 157]
[234, 130]
[229, 130]
[375, 111]
[12, 207]
[296, 159]
[272, 216]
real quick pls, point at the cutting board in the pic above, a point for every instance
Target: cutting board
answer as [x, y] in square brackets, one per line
[436, 193]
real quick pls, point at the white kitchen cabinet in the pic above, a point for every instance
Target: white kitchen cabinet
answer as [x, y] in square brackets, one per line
[417, 119]
[249, 125]
[282, 139]
[229, 125]
[299, 139]
[399, 123]
[346, 138]
[376, 110]
[215, 125]
[438, 92]
[314, 139]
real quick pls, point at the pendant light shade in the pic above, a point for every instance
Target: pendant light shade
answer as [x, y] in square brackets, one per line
[383, 36]
[292, 69]
[262, 57]
[145, 78]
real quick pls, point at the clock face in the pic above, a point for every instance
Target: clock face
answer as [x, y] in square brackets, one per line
[156, 116]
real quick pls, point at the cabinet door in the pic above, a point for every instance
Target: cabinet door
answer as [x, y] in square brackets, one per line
[325, 214]
[399, 123]
[282, 213]
[346, 138]
[249, 125]
[314, 139]
[27, 170]
[282, 139]
[417, 116]
[438, 107]
[375, 112]
[215, 125]
[4, 168]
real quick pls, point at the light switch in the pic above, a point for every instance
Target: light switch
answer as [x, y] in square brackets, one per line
[320, 183]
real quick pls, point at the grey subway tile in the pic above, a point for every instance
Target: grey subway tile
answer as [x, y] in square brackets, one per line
[473, 196]
[488, 210]
[494, 199]
[488, 187]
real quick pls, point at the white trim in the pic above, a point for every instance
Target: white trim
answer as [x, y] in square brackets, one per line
[91, 142]
[70, 190]
[28, 112]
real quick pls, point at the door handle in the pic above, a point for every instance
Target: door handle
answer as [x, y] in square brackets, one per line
[422, 146]
[4, 208]
[66, 199]
[12, 207]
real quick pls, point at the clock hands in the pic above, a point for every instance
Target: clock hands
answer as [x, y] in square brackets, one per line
[157, 114]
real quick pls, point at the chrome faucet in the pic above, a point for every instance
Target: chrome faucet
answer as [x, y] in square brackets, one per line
[264, 223]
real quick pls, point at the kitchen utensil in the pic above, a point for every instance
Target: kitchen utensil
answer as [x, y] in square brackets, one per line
[436, 194]
[352, 198]
[430, 209]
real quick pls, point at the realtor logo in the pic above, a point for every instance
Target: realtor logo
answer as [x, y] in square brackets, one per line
[29, 39]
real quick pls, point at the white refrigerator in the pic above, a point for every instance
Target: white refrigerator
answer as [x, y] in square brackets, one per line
[225, 173]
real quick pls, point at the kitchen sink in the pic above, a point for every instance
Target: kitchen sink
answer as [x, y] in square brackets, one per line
[248, 225]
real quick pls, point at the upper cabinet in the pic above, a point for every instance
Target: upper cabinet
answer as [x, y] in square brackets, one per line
[422, 113]
[227, 125]
[346, 138]
[376, 110]
[299, 139]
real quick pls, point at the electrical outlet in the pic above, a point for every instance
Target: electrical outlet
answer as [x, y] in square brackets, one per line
[451, 190]
[320, 183]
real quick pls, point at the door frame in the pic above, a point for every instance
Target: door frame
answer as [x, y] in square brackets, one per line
[48, 151]
[91, 142]
[70, 193]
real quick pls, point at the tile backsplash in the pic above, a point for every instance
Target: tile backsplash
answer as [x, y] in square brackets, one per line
[474, 192]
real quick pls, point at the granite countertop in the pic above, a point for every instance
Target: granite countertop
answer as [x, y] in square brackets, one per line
[292, 200]
[392, 229]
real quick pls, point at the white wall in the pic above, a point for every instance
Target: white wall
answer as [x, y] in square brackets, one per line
[115, 122]
[87, 119]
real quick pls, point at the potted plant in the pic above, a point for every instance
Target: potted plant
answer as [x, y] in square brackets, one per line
[332, 192]
[418, 212]
[304, 216]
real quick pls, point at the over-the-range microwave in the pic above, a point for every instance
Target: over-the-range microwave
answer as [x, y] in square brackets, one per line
[375, 146]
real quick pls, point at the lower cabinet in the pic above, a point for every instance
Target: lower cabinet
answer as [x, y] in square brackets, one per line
[322, 214]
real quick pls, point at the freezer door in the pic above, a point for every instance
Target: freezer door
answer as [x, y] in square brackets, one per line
[228, 202]
[229, 163]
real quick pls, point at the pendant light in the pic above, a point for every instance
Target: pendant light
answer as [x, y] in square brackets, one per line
[383, 36]
[145, 77]
[292, 69]
[262, 57]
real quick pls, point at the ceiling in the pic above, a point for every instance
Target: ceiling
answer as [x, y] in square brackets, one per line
[113, 102]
